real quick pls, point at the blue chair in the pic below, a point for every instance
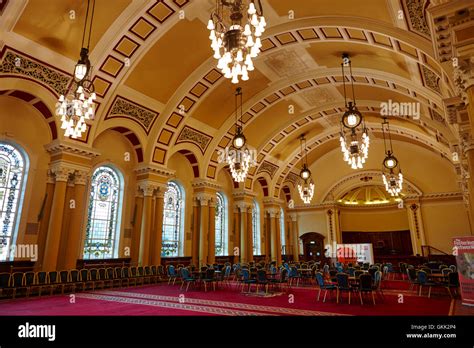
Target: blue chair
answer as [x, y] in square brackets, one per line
[171, 274]
[351, 271]
[293, 274]
[262, 279]
[423, 280]
[365, 285]
[246, 280]
[323, 286]
[186, 278]
[343, 285]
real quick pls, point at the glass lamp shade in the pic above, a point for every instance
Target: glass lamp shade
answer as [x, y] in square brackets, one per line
[352, 117]
[80, 71]
[305, 173]
[390, 162]
[239, 139]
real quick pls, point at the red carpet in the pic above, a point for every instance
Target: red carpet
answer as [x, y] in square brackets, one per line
[166, 300]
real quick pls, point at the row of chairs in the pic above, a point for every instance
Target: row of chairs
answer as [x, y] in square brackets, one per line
[73, 280]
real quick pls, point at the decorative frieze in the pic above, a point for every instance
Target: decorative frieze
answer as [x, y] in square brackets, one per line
[122, 107]
[191, 135]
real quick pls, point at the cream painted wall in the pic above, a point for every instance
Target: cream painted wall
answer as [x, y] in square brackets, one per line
[185, 176]
[442, 222]
[23, 125]
[121, 156]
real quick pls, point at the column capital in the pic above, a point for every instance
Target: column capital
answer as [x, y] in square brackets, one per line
[61, 172]
[81, 177]
[293, 217]
[147, 187]
[204, 198]
[273, 212]
[50, 177]
[242, 205]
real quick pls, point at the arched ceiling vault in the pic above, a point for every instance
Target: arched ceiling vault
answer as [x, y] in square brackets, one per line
[156, 77]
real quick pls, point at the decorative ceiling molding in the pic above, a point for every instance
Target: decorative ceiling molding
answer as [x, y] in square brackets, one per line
[17, 64]
[416, 18]
[191, 135]
[267, 167]
[125, 108]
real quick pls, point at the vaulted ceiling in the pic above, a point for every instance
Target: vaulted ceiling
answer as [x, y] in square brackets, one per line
[158, 85]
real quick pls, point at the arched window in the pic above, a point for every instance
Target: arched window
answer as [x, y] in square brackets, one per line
[103, 214]
[13, 170]
[282, 231]
[221, 225]
[256, 228]
[173, 221]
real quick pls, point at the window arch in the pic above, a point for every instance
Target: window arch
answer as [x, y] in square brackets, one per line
[103, 214]
[282, 231]
[221, 225]
[173, 221]
[256, 228]
[13, 171]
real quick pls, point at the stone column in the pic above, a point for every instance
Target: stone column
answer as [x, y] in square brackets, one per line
[204, 230]
[278, 238]
[75, 233]
[273, 232]
[137, 227]
[243, 234]
[249, 235]
[195, 235]
[416, 226]
[268, 248]
[145, 233]
[211, 252]
[55, 223]
[236, 235]
[158, 226]
[295, 237]
[44, 219]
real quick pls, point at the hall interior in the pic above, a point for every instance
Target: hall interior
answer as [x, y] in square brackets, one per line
[182, 158]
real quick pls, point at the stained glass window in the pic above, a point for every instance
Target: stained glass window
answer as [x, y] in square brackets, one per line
[221, 225]
[103, 218]
[12, 178]
[282, 231]
[173, 215]
[256, 228]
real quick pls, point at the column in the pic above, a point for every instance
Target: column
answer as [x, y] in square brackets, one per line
[273, 232]
[75, 232]
[195, 235]
[44, 219]
[243, 234]
[137, 227]
[278, 238]
[145, 232]
[268, 248]
[204, 230]
[295, 237]
[236, 235]
[211, 251]
[416, 227]
[158, 226]
[55, 223]
[250, 235]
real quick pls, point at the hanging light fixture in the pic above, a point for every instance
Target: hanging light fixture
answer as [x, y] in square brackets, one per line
[391, 171]
[306, 184]
[235, 33]
[239, 158]
[76, 105]
[354, 142]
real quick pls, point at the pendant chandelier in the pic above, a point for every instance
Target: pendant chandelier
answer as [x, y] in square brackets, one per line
[238, 158]
[76, 105]
[354, 141]
[235, 31]
[391, 172]
[306, 185]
